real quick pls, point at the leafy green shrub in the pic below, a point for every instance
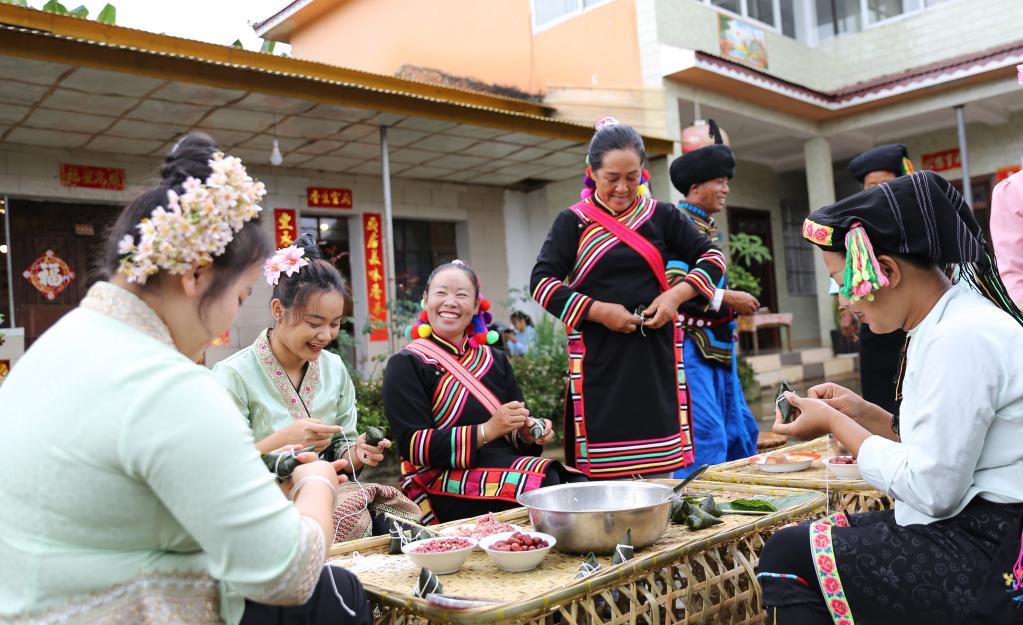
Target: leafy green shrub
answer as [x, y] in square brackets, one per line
[543, 372]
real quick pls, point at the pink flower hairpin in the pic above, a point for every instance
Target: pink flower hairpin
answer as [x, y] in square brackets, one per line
[287, 260]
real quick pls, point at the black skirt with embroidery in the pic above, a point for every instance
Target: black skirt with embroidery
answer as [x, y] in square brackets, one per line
[949, 572]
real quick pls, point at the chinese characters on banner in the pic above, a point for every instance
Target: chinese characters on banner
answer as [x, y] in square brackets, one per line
[323, 197]
[941, 161]
[376, 287]
[91, 177]
[285, 227]
[1005, 172]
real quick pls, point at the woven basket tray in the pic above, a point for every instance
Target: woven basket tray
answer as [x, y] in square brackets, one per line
[686, 577]
[847, 495]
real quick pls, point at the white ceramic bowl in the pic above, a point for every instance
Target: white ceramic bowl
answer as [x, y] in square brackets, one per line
[442, 562]
[517, 561]
[844, 471]
[797, 461]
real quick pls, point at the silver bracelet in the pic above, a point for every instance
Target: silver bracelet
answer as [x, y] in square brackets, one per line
[305, 480]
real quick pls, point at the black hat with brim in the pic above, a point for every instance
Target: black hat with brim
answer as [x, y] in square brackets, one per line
[698, 166]
[882, 158]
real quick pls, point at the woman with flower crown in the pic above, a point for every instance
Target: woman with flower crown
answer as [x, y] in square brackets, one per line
[133, 490]
[293, 391]
[467, 441]
[601, 271]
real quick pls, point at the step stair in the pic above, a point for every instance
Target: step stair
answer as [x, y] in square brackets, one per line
[812, 363]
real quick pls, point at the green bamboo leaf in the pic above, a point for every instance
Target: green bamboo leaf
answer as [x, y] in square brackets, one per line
[237, 44]
[268, 46]
[80, 11]
[108, 15]
[55, 7]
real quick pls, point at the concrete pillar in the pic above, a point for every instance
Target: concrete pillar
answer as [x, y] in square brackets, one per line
[820, 185]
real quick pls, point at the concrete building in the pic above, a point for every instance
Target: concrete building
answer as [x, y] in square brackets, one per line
[801, 86]
[88, 111]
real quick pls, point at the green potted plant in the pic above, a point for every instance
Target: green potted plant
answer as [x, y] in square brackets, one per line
[746, 249]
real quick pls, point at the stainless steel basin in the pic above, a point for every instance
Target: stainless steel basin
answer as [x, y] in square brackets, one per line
[593, 516]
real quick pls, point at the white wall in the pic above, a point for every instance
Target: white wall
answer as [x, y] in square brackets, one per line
[34, 173]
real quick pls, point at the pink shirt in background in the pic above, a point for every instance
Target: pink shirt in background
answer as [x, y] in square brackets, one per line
[1007, 233]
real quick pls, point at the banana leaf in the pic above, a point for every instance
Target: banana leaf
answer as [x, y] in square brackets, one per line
[700, 519]
[761, 506]
[375, 434]
[679, 510]
[589, 566]
[624, 550]
[283, 465]
[537, 429]
[710, 506]
[398, 537]
[428, 583]
[784, 407]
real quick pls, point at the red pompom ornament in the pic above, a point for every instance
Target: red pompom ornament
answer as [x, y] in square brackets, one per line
[424, 317]
[481, 338]
[484, 304]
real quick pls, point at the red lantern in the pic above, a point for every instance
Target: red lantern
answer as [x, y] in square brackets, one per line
[698, 135]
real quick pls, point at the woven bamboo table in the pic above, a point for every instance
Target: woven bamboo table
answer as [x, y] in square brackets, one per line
[846, 495]
[686, 577]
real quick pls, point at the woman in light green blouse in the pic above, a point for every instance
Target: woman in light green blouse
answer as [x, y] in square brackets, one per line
[133, 490]
[293, 391]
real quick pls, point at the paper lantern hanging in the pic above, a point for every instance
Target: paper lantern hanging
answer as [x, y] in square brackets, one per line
[698, 136]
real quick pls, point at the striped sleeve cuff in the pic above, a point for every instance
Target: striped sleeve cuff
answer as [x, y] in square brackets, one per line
[463, 443]
[700, 276]
[551, 292]
[419, 447]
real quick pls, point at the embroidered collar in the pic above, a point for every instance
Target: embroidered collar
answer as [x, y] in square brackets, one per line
[694, 210]
[126, 307]
[451, 347]
[299, 403]
[620, 216]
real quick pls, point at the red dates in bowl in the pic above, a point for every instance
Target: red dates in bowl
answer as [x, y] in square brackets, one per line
[843, 468]
[518, 551]
[520, 542]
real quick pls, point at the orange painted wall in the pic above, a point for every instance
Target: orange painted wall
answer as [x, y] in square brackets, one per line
[488, 40]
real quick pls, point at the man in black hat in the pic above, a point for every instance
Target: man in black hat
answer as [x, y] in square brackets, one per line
[879, 353]
[723, 425]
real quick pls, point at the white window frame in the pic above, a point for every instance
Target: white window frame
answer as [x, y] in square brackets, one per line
[744, 10]
[578, 10]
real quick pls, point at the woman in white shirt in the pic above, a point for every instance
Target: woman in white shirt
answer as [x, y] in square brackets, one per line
[953, 458]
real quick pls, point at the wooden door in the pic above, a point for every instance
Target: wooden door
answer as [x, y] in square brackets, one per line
[758, 222]
[73, 232]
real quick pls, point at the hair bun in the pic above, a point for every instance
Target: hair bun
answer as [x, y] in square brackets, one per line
[307, 242]
[189, 157]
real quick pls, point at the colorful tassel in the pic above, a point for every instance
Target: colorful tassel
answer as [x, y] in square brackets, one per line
[907, 167]
[862, 276]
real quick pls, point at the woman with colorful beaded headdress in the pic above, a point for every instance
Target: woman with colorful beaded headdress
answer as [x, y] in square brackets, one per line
[133, 491]
[601, 271]
[293, 391]
[951, 459]
[467, 441]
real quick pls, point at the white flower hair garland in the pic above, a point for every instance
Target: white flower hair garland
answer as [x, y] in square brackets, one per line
[195, 226]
